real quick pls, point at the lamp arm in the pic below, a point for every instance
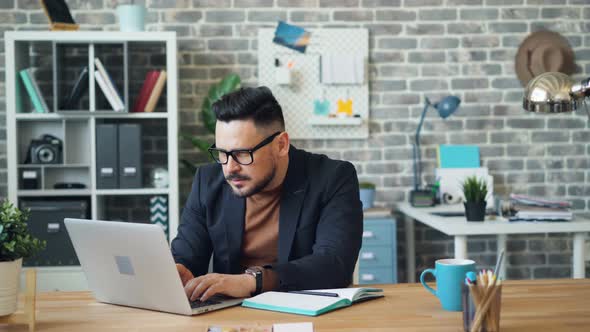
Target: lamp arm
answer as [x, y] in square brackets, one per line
[417, 154]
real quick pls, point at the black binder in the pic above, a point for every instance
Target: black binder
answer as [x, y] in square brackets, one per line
[130, 174]
[46, 222]
[107, 164]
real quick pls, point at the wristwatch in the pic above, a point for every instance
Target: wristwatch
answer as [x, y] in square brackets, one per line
[256, 272]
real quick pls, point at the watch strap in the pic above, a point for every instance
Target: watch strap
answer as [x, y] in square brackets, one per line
[256, 272]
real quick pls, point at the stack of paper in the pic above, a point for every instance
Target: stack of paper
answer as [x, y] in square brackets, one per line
[535, 208]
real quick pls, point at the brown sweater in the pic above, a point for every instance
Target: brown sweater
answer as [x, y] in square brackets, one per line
[261, 234]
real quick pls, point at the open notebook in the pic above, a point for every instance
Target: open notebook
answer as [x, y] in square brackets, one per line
[311, 305]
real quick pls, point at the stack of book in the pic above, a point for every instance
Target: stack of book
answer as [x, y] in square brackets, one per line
[32, 87]
[527, 208]
[150, 91]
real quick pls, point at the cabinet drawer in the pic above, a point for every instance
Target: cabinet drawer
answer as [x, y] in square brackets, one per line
[377, 233]
[375, 256]
[377, 275]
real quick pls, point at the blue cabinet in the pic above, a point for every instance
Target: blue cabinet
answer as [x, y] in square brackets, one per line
[378, 256]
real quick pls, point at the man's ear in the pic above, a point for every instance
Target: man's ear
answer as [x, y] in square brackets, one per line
[284, 144]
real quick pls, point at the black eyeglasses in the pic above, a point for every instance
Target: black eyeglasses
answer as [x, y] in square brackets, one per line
[241, 156]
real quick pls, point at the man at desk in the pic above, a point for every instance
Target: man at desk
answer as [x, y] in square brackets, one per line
[274, 217]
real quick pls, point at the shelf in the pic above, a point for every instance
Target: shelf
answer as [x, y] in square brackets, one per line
[91, 36]
[326, 121]
[65, 53]
[54, 192]
[87, 114]
[53, 165]
[128, 192]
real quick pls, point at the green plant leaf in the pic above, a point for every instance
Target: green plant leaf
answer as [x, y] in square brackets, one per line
[474, 189]
[229, 83]
[15, 240]
[207, 115]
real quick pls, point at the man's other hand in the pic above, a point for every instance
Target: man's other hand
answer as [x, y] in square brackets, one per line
[185, 274]
[234, 285]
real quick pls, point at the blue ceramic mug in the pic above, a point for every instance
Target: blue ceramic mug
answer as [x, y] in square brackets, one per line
[449, 275]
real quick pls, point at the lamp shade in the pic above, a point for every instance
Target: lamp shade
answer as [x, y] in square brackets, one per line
[554, 92]
[447, 106]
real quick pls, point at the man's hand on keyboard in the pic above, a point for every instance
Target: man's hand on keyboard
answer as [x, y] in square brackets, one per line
[185, 274]
[234, 285]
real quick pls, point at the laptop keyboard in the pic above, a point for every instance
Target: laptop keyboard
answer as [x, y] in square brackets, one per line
[215, 299]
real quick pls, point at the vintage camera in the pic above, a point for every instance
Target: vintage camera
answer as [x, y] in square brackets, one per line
[45, 150]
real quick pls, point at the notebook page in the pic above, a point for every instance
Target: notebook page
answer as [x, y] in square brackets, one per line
[353, 294]
[292, 300]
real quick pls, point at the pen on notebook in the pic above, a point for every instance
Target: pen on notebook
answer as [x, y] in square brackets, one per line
[315, 293]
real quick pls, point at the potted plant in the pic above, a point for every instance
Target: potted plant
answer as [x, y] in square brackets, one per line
[475, 191]
[229, 83]
[367, 194]
[15, 244]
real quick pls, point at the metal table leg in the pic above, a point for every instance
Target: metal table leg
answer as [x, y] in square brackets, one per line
[460, 246]
[578, 261]
[410, 250]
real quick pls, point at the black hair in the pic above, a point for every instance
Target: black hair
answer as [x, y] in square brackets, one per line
[257, 104]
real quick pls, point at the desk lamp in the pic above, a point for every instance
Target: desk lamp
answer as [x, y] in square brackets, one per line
[420, 196]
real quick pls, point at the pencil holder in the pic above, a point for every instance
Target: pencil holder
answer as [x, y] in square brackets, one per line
[481, 313]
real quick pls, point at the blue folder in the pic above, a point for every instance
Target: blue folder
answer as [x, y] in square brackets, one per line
[458, 156]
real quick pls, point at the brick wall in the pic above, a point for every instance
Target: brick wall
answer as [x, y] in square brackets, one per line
[418, 48]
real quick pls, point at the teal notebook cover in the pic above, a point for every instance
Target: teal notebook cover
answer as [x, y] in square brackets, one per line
[458, 156]
[31, 91]
[310, 305]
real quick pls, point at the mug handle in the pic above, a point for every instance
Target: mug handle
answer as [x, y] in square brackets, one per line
[423, 274]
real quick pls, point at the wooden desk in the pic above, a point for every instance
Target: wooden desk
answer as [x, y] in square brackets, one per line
[527, 305]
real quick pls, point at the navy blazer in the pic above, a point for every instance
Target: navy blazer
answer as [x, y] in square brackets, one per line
[320, 224]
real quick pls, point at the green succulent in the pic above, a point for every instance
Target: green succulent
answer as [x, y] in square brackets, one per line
[229, 83]
[475, 189]
[366, 185]
[15, 240]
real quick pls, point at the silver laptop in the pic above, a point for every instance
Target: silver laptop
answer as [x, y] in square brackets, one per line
[131, 264]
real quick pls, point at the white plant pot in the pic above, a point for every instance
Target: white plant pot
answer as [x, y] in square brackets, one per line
[9, 285]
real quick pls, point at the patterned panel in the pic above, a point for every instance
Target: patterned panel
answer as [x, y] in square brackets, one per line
[297, 98]
[159, 212]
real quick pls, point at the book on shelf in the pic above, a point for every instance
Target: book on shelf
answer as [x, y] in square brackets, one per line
[107, 93]
[33, 91]
[156, 92]
[80, 86]
[144, 94]
[312, 302]
[111, 87]
[46, 108]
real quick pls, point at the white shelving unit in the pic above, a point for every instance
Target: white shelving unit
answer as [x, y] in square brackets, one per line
[77, 128]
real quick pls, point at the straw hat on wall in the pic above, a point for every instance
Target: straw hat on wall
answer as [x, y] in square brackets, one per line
[543, 51]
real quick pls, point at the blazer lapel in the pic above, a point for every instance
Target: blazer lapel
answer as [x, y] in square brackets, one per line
[233, 214]
[294, 188]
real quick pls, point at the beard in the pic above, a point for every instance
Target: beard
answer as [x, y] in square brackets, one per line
[258, 187]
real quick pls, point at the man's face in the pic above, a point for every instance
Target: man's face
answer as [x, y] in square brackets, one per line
[246, 180]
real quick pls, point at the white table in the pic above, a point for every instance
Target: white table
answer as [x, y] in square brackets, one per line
[460, 228]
